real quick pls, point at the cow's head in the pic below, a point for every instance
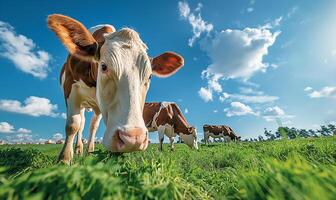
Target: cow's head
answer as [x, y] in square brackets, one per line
[124, 73]
[191, 137]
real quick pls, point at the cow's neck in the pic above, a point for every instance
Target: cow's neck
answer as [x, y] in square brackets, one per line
[75, 70]
[180, 123]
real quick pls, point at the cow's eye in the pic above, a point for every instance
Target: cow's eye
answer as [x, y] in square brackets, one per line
[104, 67]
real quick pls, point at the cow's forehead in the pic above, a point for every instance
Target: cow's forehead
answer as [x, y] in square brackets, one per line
[128, 36]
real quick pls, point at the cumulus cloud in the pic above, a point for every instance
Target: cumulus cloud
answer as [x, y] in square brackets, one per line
[23, 130]
[239, 109]
[248, 98]
[32, 106]
[198, 25]
[326, 92]
[19, 138]
[238, 53]
[275, 113]
[22, 52]
[58, 136]
[205, 94]
[186, 111]
[249, 90]
[6, 127]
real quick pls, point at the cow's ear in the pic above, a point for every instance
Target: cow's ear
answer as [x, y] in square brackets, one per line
[166, 64]
[76, 38]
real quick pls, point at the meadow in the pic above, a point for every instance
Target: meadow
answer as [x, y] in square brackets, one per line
[303, 168]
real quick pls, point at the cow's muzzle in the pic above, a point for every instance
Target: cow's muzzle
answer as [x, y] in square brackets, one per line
[130, 140]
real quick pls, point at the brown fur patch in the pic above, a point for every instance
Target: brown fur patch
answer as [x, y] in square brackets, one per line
[220, 129]
[170, 114]
[76, 69]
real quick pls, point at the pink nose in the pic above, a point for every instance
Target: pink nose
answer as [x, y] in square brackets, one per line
[130, 140]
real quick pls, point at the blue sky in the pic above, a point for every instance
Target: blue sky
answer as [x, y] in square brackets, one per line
[250, 64]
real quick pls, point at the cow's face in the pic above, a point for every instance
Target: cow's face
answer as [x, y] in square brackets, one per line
[191, 138]
[124, 72]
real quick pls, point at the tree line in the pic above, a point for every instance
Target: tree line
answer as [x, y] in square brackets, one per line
[292, 133]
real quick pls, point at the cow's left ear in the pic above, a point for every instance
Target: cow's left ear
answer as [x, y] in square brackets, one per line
[166, 64]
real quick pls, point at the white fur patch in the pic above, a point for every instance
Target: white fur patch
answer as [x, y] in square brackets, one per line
[94, 28]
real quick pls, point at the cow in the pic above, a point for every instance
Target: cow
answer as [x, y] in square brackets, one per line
[108, 71]
[218, 131]
[167, 119]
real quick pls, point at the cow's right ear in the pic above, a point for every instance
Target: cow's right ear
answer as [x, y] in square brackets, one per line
[76, 38]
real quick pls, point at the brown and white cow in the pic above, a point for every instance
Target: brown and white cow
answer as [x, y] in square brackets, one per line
[167, 119]
[218, 131]
[108, 71]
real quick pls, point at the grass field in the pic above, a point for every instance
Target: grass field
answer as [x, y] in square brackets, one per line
[286, 169]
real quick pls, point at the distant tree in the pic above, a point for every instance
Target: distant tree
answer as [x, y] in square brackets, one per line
[324, 131]
[277, 134]
[303, 133]
[332, 129]
[269, 134]
[292, 133]
[312, 133]
[260, 138]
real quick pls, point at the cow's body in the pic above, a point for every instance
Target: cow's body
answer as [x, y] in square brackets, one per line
[167, 119]
[109, 72]
[219, 131]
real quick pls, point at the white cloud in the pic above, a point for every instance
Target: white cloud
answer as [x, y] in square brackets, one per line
[292, 11]
[33, 106]
[22, 137]
[63, 115]
[214, 84]
[23, 130]
[248, 98]
[238, 53]
[250, 9]
[205, 94]
[195, 20]
[22, 52]
[275, 113]
[58, 136]
[326, 92]
[5, 127]
[186, 111]
[239, 109]
[215, 111]
[308, 89]
[248, 90]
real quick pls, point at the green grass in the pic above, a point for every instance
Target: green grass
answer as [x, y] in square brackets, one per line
[290, 169]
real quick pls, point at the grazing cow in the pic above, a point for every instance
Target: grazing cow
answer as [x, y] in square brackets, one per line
[218, 131]
[167, 119]
[108, 71]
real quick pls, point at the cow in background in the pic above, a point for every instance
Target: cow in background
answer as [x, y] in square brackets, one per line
[167, 119]
[218, 131]
[108, 71]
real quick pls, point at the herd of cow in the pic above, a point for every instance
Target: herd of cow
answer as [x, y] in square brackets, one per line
[109, 71]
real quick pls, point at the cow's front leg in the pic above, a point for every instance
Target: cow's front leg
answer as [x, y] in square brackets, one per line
[94, 124]
[79, 142]
[161, 130]
[171, 140]
[72, 126]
